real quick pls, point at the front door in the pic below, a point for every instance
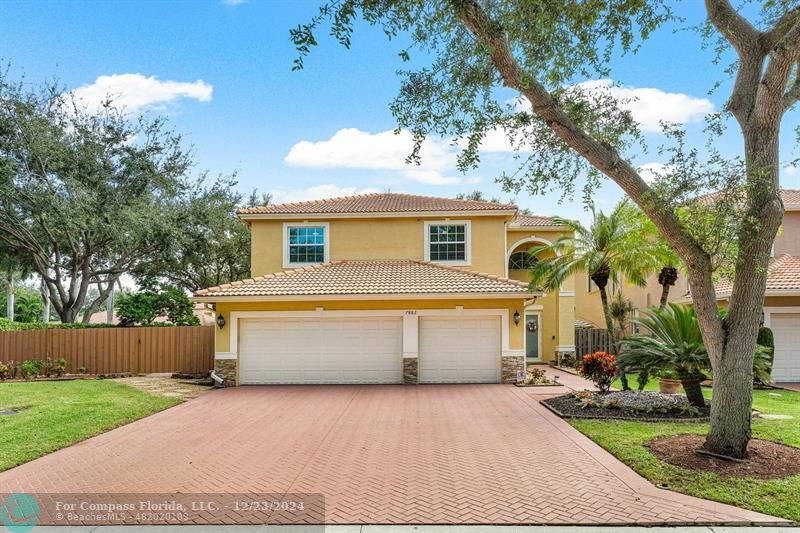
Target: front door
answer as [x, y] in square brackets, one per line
[532, 336]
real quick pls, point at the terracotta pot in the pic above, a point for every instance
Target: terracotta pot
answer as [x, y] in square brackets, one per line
[669, 386]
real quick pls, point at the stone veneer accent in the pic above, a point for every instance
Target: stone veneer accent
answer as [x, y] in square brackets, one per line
[510, 367]
[226, 369]
[410, 374]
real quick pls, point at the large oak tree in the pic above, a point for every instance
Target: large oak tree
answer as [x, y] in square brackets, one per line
[85, 195]
[480, 50]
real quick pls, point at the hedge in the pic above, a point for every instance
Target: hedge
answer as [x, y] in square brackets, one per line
[8, 325]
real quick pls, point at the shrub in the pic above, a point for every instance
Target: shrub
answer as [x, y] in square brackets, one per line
[536, 376]
[27, 304]
[765, 337]
[763, 358]
[600, 368]
[5, 372]
[83, 370]
[145, 306]
[31, 368]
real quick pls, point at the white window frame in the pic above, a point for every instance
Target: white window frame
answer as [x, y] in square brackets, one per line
[326, 244]
[467, 240]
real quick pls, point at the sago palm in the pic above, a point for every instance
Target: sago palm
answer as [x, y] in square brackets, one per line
[673, 343]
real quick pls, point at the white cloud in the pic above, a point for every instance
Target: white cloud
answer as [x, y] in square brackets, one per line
[317, 192]
[496, 140]
[647, 105]
[353, 148]
[233, 3]
[652, 171]
[137, 92]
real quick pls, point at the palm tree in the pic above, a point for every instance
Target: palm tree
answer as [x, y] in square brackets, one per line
[613, 246]
[664, 253]
[674, 343]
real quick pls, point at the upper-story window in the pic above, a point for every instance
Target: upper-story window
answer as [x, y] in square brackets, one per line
[305, 244]
[521, 261]
[447, 242]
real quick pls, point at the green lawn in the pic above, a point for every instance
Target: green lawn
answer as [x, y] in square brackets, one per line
[775, 497]
[55, 414]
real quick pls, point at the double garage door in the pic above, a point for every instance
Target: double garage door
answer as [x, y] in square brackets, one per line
[367, 350]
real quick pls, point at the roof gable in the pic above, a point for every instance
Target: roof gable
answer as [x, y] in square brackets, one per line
[783, 274]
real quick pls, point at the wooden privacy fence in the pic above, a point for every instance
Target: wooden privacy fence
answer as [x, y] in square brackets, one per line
[590, 341]
[188, 349]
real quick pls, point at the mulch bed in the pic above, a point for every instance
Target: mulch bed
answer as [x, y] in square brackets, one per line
[766, 460]
[568, 407]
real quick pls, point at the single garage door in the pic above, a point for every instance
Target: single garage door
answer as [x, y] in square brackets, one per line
[459, 350]
[786, 328]
[321, 350]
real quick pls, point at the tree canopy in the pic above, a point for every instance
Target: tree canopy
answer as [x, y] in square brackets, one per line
[89, 195]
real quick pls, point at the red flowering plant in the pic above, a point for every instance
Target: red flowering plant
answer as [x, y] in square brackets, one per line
[600, 368]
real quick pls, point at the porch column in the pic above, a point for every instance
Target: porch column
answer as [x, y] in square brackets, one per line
[565, 340]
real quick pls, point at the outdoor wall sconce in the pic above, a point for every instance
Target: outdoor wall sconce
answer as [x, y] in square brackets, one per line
[516, 318]
[220, 321]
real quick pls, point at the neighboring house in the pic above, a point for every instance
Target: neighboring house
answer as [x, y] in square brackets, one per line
[389, 288]
[782, 298]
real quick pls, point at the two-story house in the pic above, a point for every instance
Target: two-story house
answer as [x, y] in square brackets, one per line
[389, 288]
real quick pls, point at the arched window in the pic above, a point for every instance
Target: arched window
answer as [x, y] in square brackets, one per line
[521, 261]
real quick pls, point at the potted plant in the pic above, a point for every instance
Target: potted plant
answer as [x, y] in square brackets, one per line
[669, 382]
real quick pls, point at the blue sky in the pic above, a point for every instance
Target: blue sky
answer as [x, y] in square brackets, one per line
[222, 73]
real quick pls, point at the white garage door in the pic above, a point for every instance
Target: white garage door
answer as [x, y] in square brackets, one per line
[459, 350]
[786, 328]
[320, 350]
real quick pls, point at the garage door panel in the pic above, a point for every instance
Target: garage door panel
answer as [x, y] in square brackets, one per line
[459, 350]
[321, 350]
[786, 328]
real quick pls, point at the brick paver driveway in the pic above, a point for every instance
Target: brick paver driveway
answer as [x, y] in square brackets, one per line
[379, 454]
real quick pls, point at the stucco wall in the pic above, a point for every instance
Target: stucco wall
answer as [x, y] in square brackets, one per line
[788, 239]
[558, 309]
[383, 238]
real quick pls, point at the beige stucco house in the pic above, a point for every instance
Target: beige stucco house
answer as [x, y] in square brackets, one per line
[389, 288]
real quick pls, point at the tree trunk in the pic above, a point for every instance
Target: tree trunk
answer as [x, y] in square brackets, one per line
[732, 361]
[600, 278]
[10, 296]
[612, 338]
[46, 302]
[664, 296]
[666, 278]
[694, 392]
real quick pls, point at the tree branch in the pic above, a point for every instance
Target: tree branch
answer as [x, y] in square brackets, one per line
[770, 38]
[602, 156]
[783, 57]
[792, 95]
[734, 27]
